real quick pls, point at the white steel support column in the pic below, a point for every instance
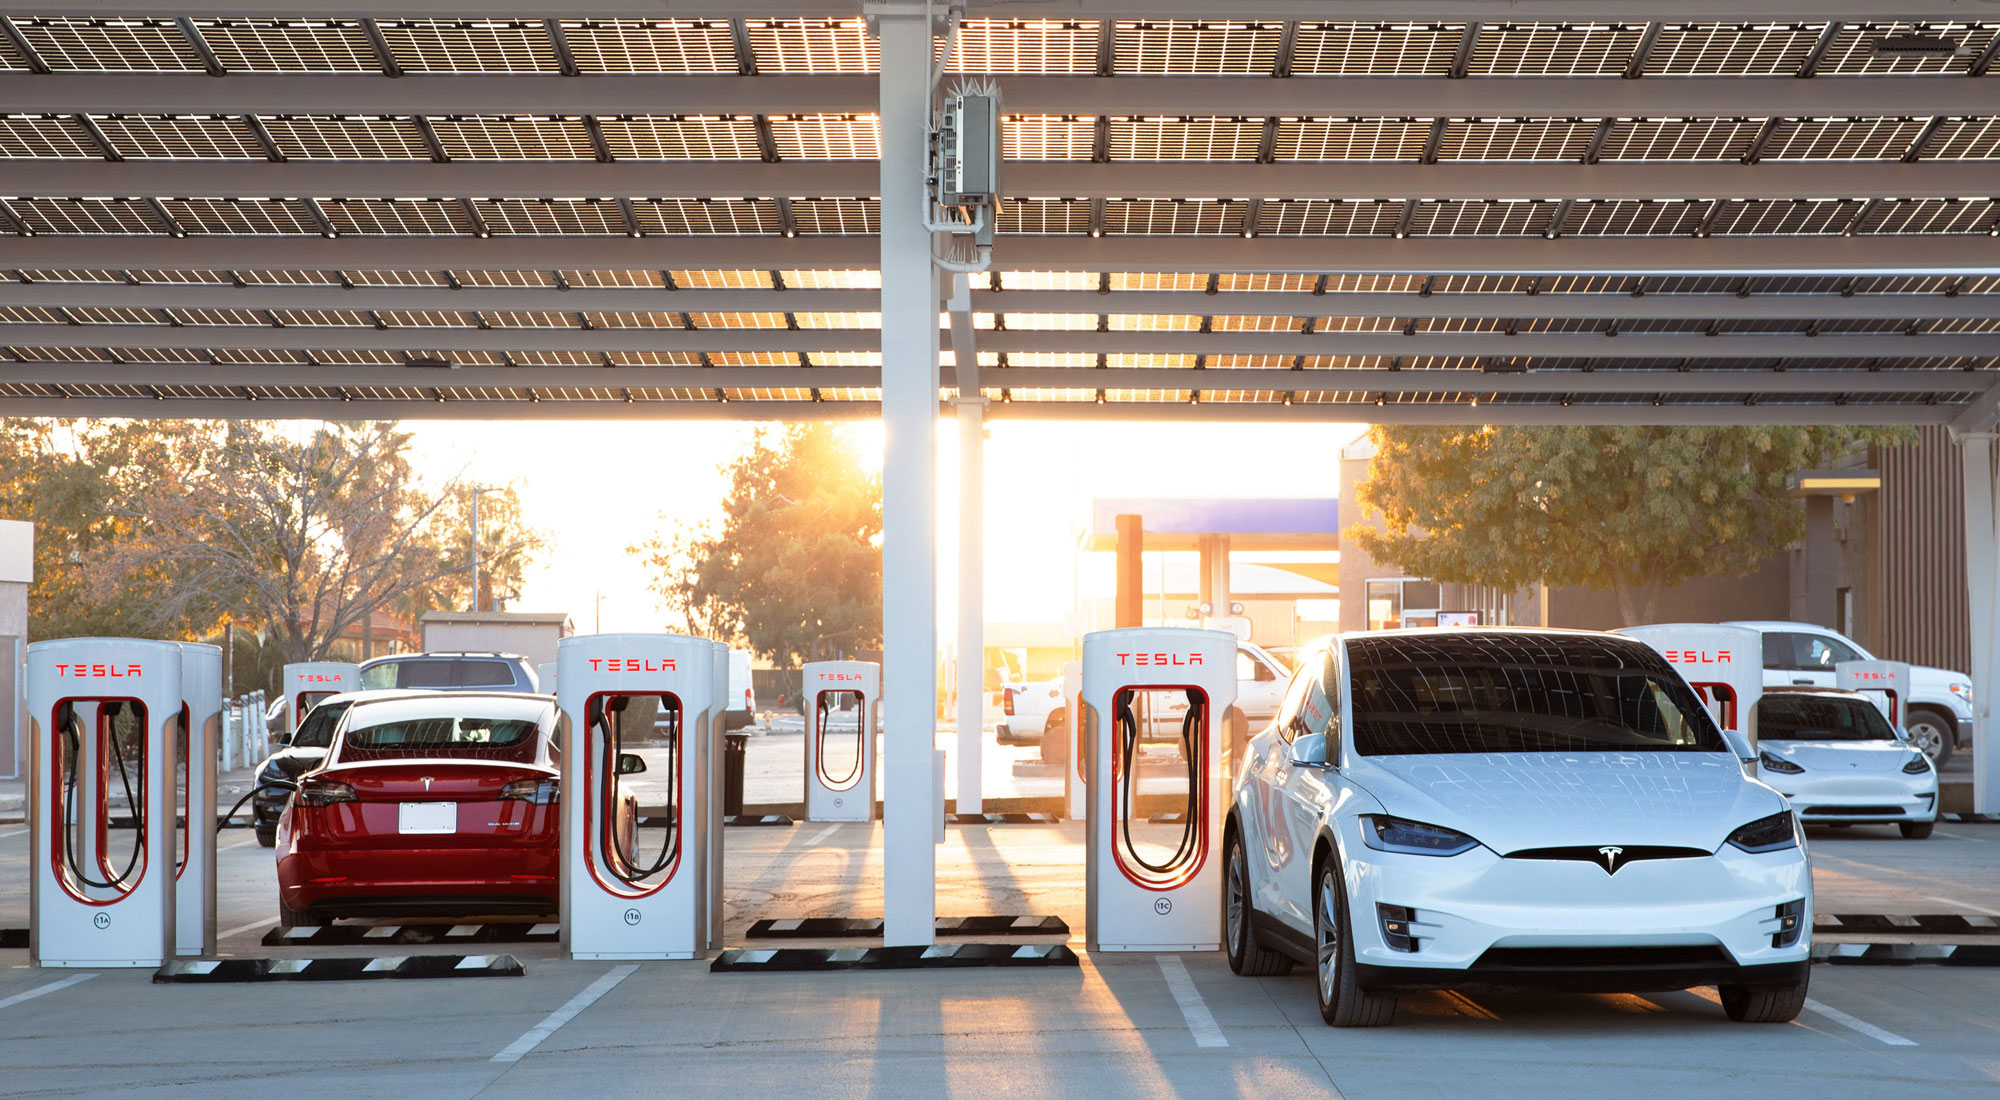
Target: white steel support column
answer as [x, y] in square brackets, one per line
[909, 543]
[1982, 570]
[971, 552]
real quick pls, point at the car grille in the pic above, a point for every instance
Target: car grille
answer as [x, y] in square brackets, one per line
[1601, 958]
[1630, 853]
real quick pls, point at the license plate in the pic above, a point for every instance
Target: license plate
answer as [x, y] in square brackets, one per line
[427, 817]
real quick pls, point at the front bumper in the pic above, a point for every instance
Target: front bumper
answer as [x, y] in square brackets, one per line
[1964, 731]
[1826, 799]
[1484, 920]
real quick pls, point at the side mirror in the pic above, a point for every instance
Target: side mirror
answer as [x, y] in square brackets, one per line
[1309, 751]
[1740, 745]
[630, 763]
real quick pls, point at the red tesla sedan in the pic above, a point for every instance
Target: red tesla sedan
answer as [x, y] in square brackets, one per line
[428, 803]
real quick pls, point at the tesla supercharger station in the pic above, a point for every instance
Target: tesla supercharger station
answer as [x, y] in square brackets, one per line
[1152, 887]
[545, 678]
[201, 732]
[1891, 678]
[307, 682]
[710, 732]
[104, 724]
[631, 892]
[1075, 805]
[842, 701]
[1725, 664]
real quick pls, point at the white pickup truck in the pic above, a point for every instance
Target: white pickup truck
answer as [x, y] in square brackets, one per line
[1938, 714]
[1040, 713]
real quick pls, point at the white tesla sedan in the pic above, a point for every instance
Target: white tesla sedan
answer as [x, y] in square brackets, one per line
[1841, 763]
[1511, 808]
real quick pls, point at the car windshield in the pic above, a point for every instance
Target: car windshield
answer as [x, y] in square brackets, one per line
[316, 732]
[439, 735]
[1786, 716]
[1474, 692]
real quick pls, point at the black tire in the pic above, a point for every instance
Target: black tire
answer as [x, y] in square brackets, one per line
[1342, 1001]
[268, 837]
[289, 917]
[1239, 926]
[1763, 1004]
[1055, 739]
[1931, 735]
[1916, 830]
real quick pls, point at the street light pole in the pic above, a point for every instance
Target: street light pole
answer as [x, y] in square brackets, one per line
[477, 492]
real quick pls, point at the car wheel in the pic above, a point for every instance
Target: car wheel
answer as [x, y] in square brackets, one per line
[1246, 956]
[1342, 1001]
[1763, 1004]
[268, 837]
[1929, 734]
[1055, 739]
[1916, 830]
[289, 917]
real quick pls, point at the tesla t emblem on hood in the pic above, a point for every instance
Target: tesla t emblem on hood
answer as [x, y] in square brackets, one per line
[1610, 855]
[427, 783]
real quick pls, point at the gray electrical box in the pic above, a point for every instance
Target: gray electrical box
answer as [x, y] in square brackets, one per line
[971, 147]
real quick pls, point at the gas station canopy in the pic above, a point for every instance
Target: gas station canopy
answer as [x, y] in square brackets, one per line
[1176, 523]
[1453, 211]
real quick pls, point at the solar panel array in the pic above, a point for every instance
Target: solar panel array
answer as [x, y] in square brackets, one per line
[1245, 217]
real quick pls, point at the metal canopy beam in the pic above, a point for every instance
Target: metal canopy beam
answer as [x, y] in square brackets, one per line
[1250, 96]
[1177, 412]
[1645, 383]
[1067, 179]
[1300, 303]
[1637, 345]
[1859, 255]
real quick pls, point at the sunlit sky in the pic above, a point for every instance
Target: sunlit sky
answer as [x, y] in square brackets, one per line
[597, 488]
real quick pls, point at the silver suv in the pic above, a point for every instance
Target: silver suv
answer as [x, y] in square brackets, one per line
[450, 672]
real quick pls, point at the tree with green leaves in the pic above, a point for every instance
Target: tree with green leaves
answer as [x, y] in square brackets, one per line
[796, 568]
[1632, 510]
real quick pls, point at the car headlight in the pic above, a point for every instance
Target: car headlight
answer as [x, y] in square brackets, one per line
[1962, 689]
[1767, 834]
[1393, 834]
[1917, 765]
[1777, 764]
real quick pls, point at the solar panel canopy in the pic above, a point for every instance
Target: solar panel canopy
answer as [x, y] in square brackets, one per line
[1452, 212]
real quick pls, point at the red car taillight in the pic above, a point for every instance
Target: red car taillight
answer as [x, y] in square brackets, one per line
[321, 792]
[541, 792]
[1007, 701]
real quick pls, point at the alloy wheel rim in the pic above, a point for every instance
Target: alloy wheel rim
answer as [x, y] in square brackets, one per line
[1329, 940]
[1234, 925]
[1927, 740]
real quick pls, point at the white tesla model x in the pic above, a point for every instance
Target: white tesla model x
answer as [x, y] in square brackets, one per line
[1510, 808]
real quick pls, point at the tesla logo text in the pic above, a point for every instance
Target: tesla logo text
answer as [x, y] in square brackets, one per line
[98, 670]
[1611, 859]
[1154, 659]
[1867, 676]
[843, 677]
[1698, 656]
[321, 678]
[631, 664]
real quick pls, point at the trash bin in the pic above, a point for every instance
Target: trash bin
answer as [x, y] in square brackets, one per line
[734, 747]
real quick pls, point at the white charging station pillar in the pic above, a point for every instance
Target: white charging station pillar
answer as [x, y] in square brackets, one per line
[104, 720]
[710, 741]
[1151, 887]
[627, 700]
[1724, 663]
[842, 702]
[307, 682]
[201, 733]
[1891, 678]
[545, 678]
[1076, 755]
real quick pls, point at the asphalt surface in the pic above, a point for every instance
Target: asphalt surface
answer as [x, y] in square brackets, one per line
[1123, 1025]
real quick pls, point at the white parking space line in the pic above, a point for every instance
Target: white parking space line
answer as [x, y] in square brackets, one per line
[820, 837]
[41, 989]
[16, 832]
[1961, 836]
[1201, 1023]
[1966, 905]
[228, 932]
[534, 1035]
[1862, 1026]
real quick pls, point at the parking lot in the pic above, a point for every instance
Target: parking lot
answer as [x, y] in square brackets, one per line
[1123, 1023]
